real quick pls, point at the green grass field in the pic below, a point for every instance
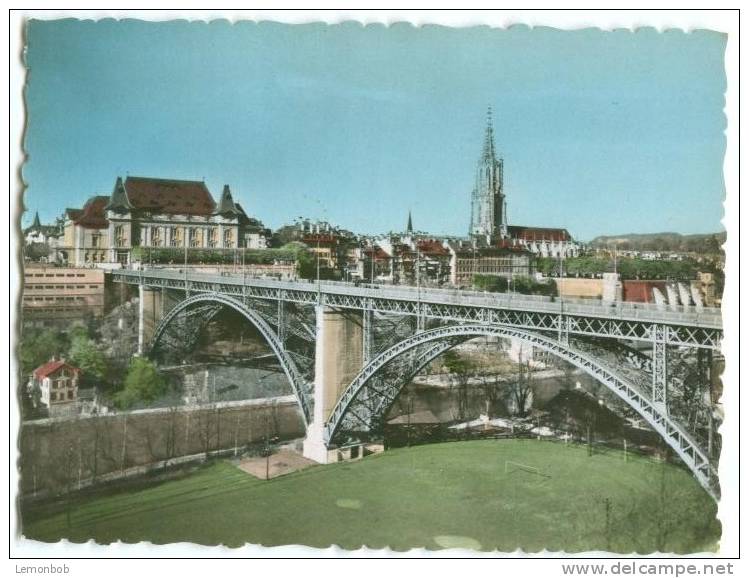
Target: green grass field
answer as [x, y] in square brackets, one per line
[435, 496]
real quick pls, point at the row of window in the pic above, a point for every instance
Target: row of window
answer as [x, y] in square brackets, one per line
[41, 311]
[32, 286]
[93, 257]
[53, 396]
[28, 298]
[61, 383]
[54, 275]
[195, 237]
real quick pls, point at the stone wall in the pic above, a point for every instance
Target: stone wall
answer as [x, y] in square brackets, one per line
[580, 287]
[60, 455]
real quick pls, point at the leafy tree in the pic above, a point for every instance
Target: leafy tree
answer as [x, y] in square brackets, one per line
[85, 354]
[39, 347]
[36, 251]
[142, 383]
[492, 283]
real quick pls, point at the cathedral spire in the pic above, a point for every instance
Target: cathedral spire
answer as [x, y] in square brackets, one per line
[36, 224]
[409, 226]
[489, 152]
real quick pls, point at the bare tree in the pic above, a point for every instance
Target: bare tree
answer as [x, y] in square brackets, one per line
[461, 370]
[519, 390]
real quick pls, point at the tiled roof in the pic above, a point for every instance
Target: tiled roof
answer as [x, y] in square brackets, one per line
[73, 214]
[169, 196]
[91, 216]
[51, 367]
[226, 205]
[432, 247]
[538, 233]
[379, 254]
[639, 291]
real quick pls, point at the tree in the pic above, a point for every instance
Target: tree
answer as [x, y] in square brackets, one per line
[461, 370]
[491, 283]
[519, 391]
[36, 251]
[143, 383]
[38, 348]
[88, 357]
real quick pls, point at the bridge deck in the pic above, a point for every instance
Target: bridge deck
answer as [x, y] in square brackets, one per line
[309, 292]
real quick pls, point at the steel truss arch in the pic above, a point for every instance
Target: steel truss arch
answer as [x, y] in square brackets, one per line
[288, 364]
[671, 432]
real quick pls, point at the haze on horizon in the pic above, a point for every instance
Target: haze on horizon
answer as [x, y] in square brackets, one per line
[601, 132]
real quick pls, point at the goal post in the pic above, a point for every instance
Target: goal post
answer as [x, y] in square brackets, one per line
[524, 468]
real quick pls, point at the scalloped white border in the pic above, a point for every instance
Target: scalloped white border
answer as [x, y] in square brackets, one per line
[725, 21]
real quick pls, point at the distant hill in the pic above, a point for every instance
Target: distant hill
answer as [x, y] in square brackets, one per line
[703, 243]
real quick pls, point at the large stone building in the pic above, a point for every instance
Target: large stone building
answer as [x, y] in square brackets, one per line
[156, 213]
[502, 260]
[489, 226]
[61, 296]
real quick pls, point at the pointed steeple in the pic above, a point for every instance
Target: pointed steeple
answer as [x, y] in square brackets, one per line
[410, 225]
[489, 152]
[119, 199]
[36, 224]
[226, 205]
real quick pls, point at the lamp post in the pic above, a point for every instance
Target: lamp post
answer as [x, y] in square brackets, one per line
[185, 244]
[318, 266]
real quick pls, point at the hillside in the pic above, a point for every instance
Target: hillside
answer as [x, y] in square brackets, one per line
[667, 241]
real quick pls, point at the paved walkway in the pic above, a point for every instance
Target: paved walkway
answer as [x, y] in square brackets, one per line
[280, 463]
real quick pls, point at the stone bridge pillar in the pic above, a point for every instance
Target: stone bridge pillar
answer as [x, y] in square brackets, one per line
[339, 357]
[150, 311]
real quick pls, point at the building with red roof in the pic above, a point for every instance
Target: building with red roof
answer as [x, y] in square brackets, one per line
[56, 382]
[157, 213]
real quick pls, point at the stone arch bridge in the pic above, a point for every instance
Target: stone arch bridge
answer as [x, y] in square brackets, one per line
[348, 350]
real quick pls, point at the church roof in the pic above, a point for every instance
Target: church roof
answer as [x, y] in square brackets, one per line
[538, 233]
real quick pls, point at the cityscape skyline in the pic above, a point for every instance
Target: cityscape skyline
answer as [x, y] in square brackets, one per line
[301, 125]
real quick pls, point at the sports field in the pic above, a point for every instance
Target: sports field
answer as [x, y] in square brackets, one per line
[487, 494]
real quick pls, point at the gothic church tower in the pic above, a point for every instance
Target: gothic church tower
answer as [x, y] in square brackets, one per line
[488, 207]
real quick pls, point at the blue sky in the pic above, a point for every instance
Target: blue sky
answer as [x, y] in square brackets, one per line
[601, 132]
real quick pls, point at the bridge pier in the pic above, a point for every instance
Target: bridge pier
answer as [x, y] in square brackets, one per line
[150, 311]
[339, 356]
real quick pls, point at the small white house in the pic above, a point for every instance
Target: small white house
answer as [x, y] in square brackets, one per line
[57, 383]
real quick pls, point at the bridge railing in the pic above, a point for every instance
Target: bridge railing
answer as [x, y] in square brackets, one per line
[685, 314]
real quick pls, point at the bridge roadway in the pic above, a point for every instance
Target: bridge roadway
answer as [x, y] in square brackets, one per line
[343, 408]
[683, 325]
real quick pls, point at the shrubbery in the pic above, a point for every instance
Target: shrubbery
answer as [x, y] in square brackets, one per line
[522, 285]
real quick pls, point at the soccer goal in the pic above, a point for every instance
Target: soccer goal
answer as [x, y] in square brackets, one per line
[511, 467]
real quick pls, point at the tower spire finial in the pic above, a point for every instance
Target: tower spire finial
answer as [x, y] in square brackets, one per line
[409, 226]
[489, 136]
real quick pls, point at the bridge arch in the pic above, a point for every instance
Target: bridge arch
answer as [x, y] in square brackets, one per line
[288, 365]
[443, 338]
